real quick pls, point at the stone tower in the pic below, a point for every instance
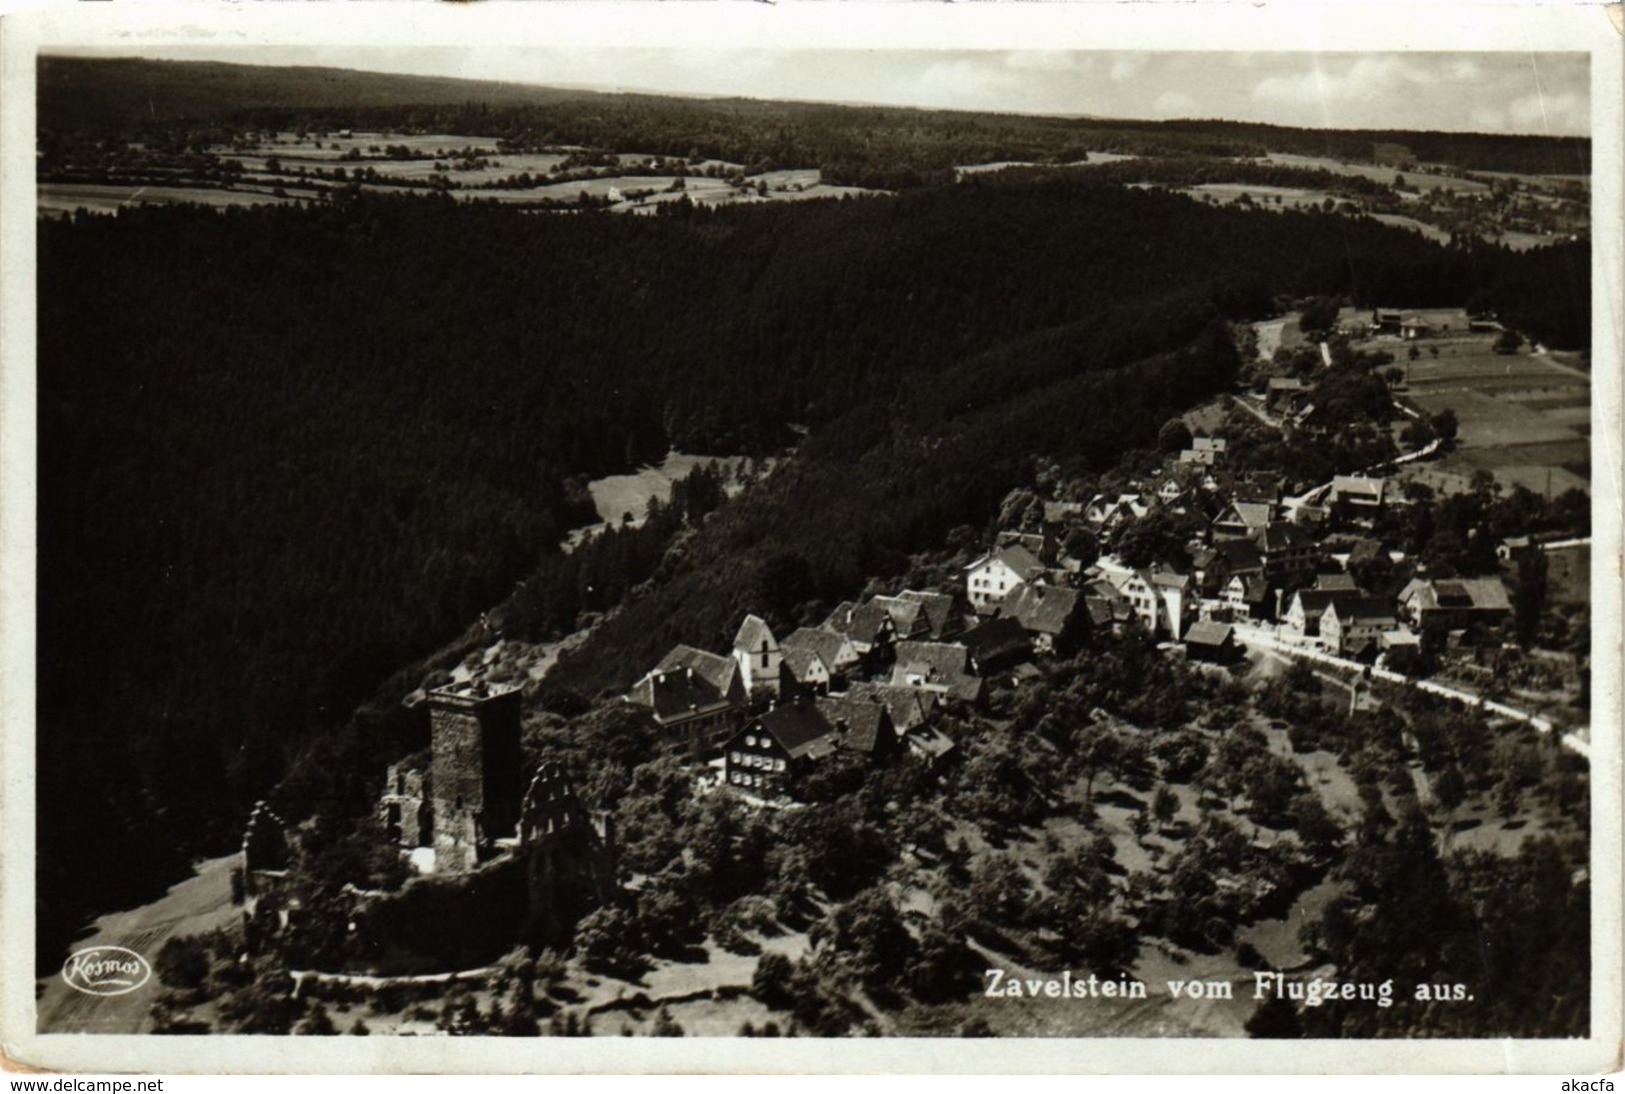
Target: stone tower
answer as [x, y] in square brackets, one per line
[474, 774]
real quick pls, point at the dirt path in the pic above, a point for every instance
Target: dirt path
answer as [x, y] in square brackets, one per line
[200, 903]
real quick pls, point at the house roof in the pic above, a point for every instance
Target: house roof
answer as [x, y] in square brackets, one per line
[802, 661]
[1057, 512]
[1359, 487]
[1042, 609]
[1360, 608]
[1468, 593]
[1015, 556]
[940, 664]
[1240, 555]
[861, 724]
[1168, 579]
[938, 608]
[1315, 601]
[1286, 383]
[1207, 633]
[908, 707]
[720, 672]
[1252, 514]
[1001, 637]
[1281, 535]
[800, 729]
[905, 614]
[677, 694]
[833, 647]
[863, 622]
[755, 635]
[1337, 583]
[1209, 444]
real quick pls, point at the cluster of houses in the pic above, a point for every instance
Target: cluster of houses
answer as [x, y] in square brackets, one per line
[1263, 559]
[869, 679]
[868, 682]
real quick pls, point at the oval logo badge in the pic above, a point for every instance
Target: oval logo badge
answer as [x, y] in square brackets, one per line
[106, 970]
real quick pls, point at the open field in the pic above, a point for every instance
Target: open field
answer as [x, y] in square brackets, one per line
[1521, 416]
[64, 197]
[1428, 231]
[999, 165]
[1265, 196]
[1414, 179]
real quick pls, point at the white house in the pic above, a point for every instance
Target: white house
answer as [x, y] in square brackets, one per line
[991, 577]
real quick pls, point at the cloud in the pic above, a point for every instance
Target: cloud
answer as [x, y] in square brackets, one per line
[1174, 104]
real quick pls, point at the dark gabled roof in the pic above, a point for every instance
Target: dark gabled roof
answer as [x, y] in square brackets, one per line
[1364, 550]
[1001, 637]
[1258, 589]
[940, 664]
[801, 661]
[905, 614]
[1315, 601]
[945, 657]
[1361, 607]
[678, 694]
[938, 608]
[861, 725]
[1240, 555]
[862, 623]
[908, 707]
[720, 672]
[1207, 633]
[800, 729]
[1280, 535]
[1043, 609]
[827, 644]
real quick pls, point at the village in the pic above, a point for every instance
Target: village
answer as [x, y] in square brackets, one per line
[1232, 570]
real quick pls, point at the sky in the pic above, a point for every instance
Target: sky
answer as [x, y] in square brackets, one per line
[1506, 92]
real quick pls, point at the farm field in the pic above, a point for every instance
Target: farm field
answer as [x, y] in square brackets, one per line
[1428, 231]
[65, 197]
[1264, 196]
[1415, 179]
[1523, 418]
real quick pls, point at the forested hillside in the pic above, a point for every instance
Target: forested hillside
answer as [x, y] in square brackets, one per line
[284, 452]
[181, 104]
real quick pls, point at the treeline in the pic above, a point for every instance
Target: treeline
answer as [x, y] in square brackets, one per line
[286, 451]
[190, 104]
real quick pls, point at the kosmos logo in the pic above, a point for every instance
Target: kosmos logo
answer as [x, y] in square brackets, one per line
[106, 970]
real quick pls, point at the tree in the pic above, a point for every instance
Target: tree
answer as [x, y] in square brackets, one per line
[999, 895]
[1508, 341]
[1529, 598]
[1318, 314]
[773, 980]
[1165, 805]
[1174, 436]
[1445, 425]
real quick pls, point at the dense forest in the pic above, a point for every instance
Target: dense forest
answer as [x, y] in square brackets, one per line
[285, 452]
[194, 104]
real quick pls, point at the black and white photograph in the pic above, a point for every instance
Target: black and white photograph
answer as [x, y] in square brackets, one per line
[761, 536]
